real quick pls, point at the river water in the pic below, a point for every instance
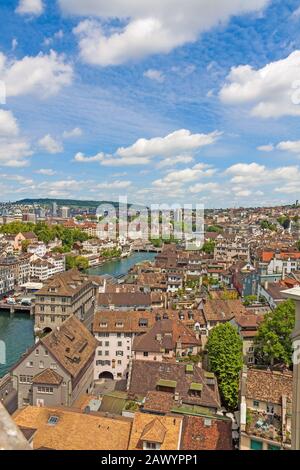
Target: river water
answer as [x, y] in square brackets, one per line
[16, 331]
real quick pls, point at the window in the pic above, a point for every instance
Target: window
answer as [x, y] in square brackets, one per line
[46, 352]
[53, 420]
[52, 317]
[106, 353]
[52, 299]
[103, 335]
[42, 308]
[256, 445]
[256, 404]
[106, 343]
[145, 354]
[25, 379]
[207, 422]
[63, 309]
[37, 352]
[41, 365]
[47, 390]
[52, 309]
[53, 366]
[99, 353]
[119, 353]
[119, 335]
[270, 409]
[119, 363]
[29, 364]
[119, 344]
[42, 318]
[151, 445]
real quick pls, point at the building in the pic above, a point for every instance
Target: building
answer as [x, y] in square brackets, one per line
[66, 294]
[7, 281]
[167, 339]
[115, 332]
[20, 238]
[295, 295]
[57, 428]
[184, 383]
[58, 368]
[265, 410]
[151, 432]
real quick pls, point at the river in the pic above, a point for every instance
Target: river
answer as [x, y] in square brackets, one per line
[16, 331]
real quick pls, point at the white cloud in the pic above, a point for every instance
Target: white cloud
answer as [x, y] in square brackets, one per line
[14, 44]
[50, 144]
[81, 158]
[290, 146]
[272, 91]
[14, 152]
[143, 150]
[172, 161]
[8, 124]
[46, 172]
[114, 185]
[266, 148]
[250, 175]
[76, 132]
[43, 75]
[206, 187]
[14, 149]
[296, 13]
[151, 26]
[180, 177]
[30, 7]
[155, 75]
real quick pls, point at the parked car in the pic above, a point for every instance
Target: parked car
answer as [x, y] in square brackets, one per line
[11, 301]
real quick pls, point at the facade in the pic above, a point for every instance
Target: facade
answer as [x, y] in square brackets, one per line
[265, 410]
[58, 369]
[115, 333]
[7, 281]
[66, 294]
[295, 295]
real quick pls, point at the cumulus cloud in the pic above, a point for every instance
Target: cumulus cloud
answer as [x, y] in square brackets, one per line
[46, 172]
[14, 149]
[114, 185]
[206, 187]
[43, 75]
[155, 75]
[292, 146]
[187, 175]
[30, 7]
[173, 161]
[76, 132]
[148, 26]
[50, 144]
[143, 150]
[266, 148]
[8, 124]
[271, 92]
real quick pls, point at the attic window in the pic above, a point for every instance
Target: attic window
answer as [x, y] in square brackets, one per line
[53, 420]
[143, 322]
[119, 324]
[103, 324]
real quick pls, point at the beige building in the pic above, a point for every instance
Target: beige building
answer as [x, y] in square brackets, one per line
[58, 369]
[265, 410]
[295, 295]
[65, 294]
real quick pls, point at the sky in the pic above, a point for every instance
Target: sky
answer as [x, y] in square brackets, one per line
[173, 102]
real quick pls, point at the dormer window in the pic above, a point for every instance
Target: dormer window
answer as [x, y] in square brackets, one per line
[103, 325]
[119, 325]
[143, 322]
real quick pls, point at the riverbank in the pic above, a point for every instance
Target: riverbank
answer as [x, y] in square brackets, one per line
[16, 331]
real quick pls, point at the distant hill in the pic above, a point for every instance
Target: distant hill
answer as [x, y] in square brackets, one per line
[65, 202]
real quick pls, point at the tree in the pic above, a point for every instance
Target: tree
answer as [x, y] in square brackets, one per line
[224, 347]
[273, 343]
[208, 247]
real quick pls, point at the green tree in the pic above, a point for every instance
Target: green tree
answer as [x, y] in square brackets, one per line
[273, 343]
[224, 347]
[208, 247]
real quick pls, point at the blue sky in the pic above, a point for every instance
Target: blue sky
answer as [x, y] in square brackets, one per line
[193, 101]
